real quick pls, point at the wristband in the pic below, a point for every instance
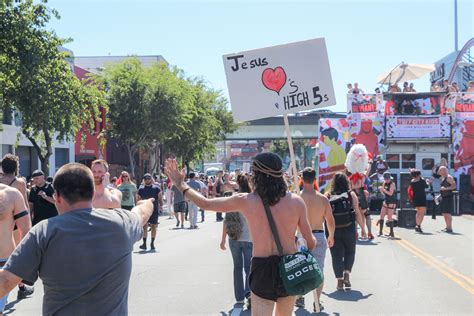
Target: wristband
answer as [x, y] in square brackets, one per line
[185, 190]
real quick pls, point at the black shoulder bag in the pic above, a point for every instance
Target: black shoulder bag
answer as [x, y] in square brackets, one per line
[300, 271]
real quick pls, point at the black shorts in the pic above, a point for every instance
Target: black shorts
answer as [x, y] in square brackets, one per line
[265, 280]
[419, 203]
[363, 204]
[126, 207]
[447, 205]
[153, 220]
[180, 207]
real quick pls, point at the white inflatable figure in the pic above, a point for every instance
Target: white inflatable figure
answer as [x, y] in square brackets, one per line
[357, 161]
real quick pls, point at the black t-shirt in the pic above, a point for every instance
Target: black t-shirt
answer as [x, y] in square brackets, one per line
[151, 191]
[419, 194]
[42, 209]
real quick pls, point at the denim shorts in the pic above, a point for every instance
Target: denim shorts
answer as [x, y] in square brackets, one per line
[319, 252]
[3, 300]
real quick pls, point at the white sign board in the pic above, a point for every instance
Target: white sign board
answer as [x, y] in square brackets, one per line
[279, 80]
[418, 126]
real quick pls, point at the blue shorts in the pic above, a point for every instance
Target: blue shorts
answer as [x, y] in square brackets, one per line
[319, 252]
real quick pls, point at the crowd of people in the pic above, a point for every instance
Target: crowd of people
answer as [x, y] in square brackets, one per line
[436, 86]
[98, 219]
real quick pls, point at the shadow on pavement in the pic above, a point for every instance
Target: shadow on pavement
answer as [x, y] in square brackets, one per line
[349, 296]
[304, 312]
[9, 307]
[144, 252]
[366, 243]
[237, 310]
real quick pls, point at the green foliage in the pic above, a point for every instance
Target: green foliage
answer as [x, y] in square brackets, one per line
[37, 81]
[159, 105]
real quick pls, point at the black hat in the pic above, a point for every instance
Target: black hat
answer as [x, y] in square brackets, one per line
[37, 173]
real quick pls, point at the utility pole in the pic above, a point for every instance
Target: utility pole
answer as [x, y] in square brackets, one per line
[456, 25]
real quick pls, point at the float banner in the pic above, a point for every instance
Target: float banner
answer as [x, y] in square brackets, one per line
[463, 136]
[334, 143]
[420, 126]
[279, 80]
[365, 121]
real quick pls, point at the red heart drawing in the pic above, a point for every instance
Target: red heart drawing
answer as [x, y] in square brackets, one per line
[274, 79]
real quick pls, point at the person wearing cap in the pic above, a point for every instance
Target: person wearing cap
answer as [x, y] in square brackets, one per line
[41, 199]
[289, 214]
[389, 190]
[150, 190]
[417, 186]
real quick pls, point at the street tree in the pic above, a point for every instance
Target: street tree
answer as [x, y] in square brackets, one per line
[37, 81]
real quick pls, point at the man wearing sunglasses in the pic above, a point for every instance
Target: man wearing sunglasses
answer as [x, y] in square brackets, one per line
[149, 190]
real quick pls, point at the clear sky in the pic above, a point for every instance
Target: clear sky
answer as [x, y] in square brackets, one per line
[364, 38]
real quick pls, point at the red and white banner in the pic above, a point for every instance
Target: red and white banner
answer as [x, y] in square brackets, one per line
[365, 121]
[428, 126]
[463, 136]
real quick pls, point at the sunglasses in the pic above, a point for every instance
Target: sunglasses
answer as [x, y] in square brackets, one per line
[147, 178]
[124, 176]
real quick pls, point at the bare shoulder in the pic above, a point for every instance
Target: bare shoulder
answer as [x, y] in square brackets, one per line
[19, 184]
[296, 201]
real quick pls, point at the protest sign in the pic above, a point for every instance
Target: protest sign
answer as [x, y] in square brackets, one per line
[279, 80]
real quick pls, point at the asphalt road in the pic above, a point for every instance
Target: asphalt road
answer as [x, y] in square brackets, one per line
[428, 274]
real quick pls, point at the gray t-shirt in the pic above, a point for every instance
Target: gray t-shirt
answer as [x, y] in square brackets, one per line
[178, 195]
[83, 258]
[194, 185]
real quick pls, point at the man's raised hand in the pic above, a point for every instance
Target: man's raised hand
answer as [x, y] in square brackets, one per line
[172, 171]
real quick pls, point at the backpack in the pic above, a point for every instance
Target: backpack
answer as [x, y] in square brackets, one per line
[342, 210]
[233, 225]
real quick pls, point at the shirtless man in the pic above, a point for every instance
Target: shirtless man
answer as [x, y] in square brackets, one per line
[289, 213]
[319, 210]
[104, 197]
[10, 166]
[13, 210]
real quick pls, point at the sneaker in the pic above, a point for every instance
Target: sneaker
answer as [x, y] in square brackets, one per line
[182, 225]
[143, 247]
[447, 230]
[299, 302]
[152, 246]
[346, 281]
[340, 285]
[418, 229]
[249, 303]
[370, 236]
[321, 308]
[26, 291]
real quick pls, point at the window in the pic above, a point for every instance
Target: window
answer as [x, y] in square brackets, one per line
[393, 161]
[408, 161]
[6, 149]
[61, 157]
[427, 163]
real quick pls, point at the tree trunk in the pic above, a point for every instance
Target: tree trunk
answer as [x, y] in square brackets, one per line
[131, 157]
[43, 157]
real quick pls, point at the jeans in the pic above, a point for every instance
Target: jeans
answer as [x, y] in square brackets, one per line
[343, 251]
[193, 213]
[241, 255]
